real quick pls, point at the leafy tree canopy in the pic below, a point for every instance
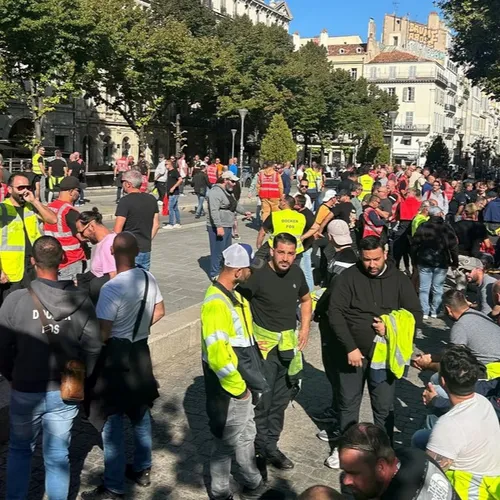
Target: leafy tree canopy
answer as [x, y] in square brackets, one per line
[278, 144]
[438, 156]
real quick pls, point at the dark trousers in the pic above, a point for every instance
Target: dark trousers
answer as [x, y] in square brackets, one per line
[328, 357]
[217, 245]
[162, 190]
[270, 412]
[351, 384]
[401, 244]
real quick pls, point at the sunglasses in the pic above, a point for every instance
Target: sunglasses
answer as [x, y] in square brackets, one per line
[20, 188]
[303, 186]
[83, 230]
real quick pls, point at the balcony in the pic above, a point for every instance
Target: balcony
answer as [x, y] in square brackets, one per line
[452, 88]
[404, 77]
[449, 130]
[417, 129]
[451, 108]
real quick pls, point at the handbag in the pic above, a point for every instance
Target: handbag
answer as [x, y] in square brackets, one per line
[72, 371]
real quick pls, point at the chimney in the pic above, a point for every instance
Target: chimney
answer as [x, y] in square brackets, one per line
[323, 38]
[433, 22]
[372, 29]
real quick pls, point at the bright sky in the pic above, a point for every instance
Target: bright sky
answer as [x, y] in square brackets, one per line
[350, 17]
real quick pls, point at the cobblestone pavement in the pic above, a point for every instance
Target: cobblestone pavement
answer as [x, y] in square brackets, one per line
[182, 441]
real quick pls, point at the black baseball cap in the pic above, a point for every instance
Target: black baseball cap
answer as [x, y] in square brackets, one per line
[69, 183]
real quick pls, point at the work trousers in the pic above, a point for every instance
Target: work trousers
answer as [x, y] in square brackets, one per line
[328, 349]
[351, 385]
[270, 412]
[269, 206]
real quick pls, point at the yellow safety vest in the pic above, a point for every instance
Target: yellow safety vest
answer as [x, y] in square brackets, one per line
[417, 221]
[224, 326]
[12, 239]
[291, 222]
[313, 177]
[474, 487]
[35, 164]
[393, 351]
[367, 182]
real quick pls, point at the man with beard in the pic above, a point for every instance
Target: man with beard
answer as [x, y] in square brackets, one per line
[373, 470]
[19, 231]
[364, 293]
[234, 380]
[274, 291]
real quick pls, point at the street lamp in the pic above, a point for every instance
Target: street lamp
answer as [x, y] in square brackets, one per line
[233, 131]
[460, 147]
[243, 113]
[392, 115]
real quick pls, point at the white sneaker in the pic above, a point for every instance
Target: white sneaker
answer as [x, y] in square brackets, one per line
[177, 226]
[333, 461]
[426, 316]
[168, 226]
[434, 316]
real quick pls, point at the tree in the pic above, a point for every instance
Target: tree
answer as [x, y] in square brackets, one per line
[200, 20]
[374, 149]
[474, 46]
[277, 144]
[45, 47]
[438, 156]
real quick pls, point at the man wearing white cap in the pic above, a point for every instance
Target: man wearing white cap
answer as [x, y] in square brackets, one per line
[232, 366]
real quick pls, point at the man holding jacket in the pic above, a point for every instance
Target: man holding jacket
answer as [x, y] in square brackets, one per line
[32, 365]
[363, 293]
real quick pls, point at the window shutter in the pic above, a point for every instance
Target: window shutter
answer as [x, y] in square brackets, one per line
[405, 94]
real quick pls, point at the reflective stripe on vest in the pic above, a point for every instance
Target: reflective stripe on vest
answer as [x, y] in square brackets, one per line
[269, 187]
[5, 247]
[291, 222]
[474, 486]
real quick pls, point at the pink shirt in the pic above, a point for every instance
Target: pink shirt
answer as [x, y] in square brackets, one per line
[102, 261]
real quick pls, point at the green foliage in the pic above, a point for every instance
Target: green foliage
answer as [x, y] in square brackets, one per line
[373, 148]
[438, 156]
[475, 46]
[277, 144]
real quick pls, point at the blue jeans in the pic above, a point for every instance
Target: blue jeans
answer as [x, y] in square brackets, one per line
[306, 266]
[199, 209]
[431, 280]
[174, 216]
[143, 260]
[421, 437]
[217, 246]
[113, 441]
[30, 412]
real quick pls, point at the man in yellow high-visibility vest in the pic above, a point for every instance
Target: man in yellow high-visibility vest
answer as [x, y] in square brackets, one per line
[19, 216]
[39, 168]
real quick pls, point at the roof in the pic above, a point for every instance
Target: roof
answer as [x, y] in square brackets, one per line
[348, 48]
[396, 56]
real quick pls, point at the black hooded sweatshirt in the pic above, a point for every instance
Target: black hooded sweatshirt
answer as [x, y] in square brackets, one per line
[358, 298]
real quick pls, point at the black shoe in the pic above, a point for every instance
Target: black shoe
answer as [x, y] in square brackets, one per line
[100, 493]
[279, 460]
[261, 463]
[255, 494]
[142, 478]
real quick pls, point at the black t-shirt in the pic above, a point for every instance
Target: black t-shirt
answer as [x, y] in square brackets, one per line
[77, 170]
[458, 200]
[32, 178]
[139, 210]
[346, 185]
[343, 211]
[310, 219]
[274, 297]
[172, 178]
[470, 234]
[57, 167]
[418, 478]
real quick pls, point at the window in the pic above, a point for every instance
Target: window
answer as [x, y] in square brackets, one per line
[373, 72]
[354, 73]
[223, 8]
[395, 41]
[391, 91]
[412, 71]
[409, 94]
[392, 71]
[409, 118]
[359, 50]
[406, 140]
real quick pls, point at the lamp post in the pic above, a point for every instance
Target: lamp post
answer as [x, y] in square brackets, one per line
[243, 113]
[392, 115]
[233, 131]
[419, 142]
[460, 147]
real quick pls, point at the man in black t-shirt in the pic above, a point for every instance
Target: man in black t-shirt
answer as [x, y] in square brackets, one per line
[57, 171]
[345, 210]
[372, 469]
[274, 291]
[174, 181]
[471, 233]
[138, 214]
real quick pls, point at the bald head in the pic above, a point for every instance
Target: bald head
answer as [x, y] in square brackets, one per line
[125, 247]
[321, 493]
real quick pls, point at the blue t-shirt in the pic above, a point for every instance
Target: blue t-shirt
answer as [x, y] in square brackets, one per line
[233, 168]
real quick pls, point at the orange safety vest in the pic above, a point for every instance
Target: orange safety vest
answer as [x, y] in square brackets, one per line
[62, 232]
[212, 174]
[269, 186]
[369, 229]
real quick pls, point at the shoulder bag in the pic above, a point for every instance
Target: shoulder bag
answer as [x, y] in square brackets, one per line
[72, 371]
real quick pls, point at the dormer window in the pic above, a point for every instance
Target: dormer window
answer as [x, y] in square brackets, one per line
[359, 50]
[341, 51]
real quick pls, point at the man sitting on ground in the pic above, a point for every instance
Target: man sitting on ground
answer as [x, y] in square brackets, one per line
[476, 272]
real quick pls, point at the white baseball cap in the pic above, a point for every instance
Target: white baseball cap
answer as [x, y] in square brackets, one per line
[238, 256]
[229, 175]
[331, 193]
[339, 231]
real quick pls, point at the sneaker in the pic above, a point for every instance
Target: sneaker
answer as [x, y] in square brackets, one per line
[327, 415]
[100, 493]
[328, 436]
[168, 226]
[197, 216]
[142, 478]
[255, 494]
[177, 226]
[279, 460]
[434, 316]
[426, 316]
[333, 461]
[236, 237]
[183, 195]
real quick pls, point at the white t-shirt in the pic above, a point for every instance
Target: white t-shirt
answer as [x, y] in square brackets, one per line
[309, 204]
[469, 434]
[161, 172]
[120, 301]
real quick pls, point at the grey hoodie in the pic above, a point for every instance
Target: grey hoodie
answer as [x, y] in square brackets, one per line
[219, 201]
[26, 358]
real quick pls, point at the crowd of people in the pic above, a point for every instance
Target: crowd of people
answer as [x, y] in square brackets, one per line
[371, 261]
